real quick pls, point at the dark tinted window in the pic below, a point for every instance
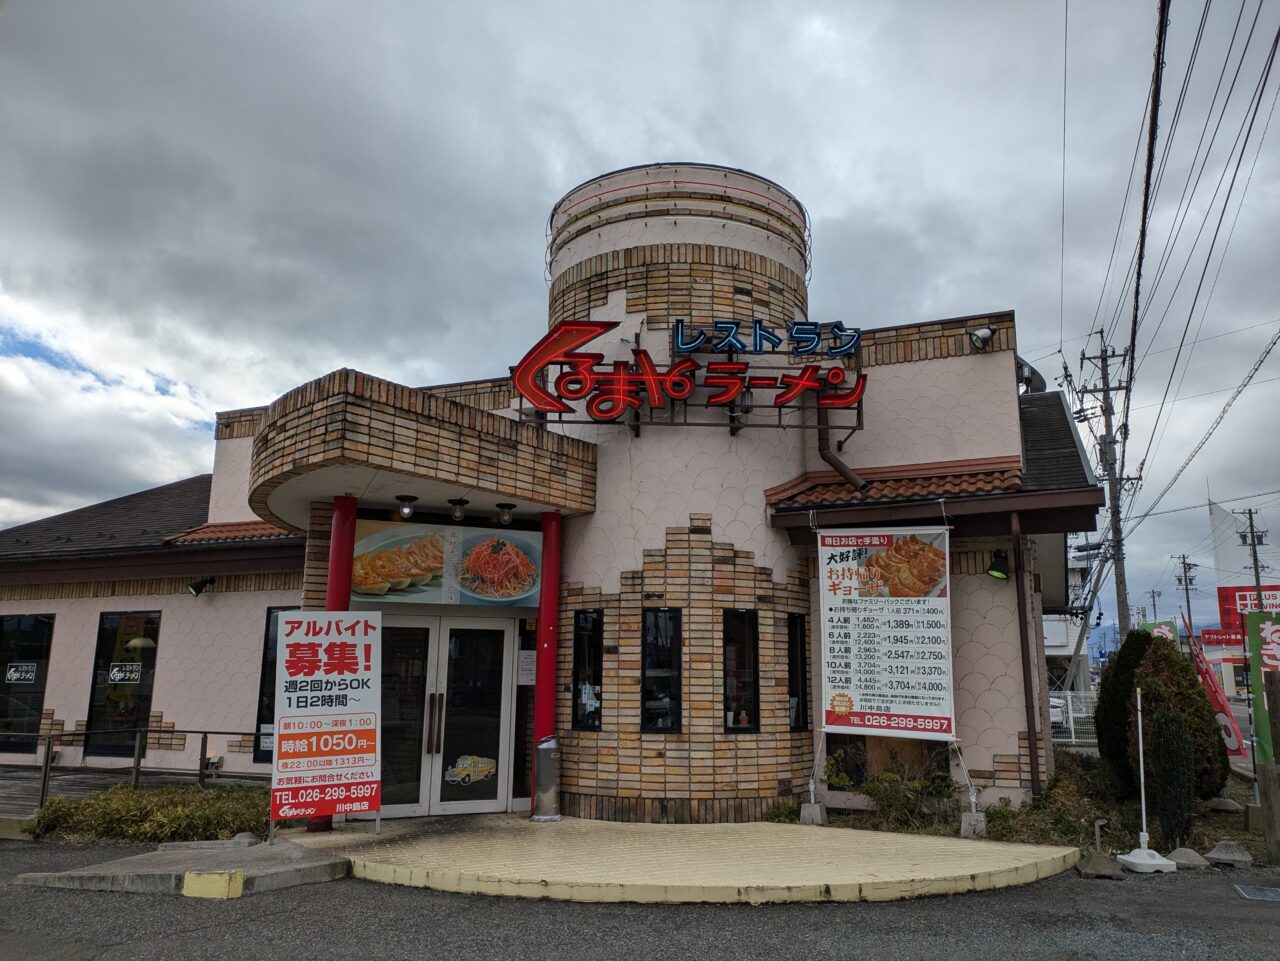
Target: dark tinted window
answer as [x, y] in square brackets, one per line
[588, 673]
[660, 670]
[797, 673]
[25, 640]
[124, 672]
[741, 672]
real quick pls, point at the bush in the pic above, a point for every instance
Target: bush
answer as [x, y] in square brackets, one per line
[784, 812]
[159, 814]
[1172, 774]
[1169, 681]
[1113, 715]
[906, 793]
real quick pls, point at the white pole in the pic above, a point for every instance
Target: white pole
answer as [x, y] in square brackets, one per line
[1142, 776]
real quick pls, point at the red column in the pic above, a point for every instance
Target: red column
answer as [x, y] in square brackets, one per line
[337, 592]
[544, 690]
[342, 545]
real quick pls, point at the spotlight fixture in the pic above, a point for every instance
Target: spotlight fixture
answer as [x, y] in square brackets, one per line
[196, 588]
[406, 505]
[982, 337]
[458, 507]
[504, 513]
[999, 566]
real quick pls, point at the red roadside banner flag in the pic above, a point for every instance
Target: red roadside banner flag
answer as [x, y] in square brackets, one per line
[1227, 725]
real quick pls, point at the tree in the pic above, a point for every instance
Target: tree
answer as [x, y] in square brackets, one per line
[1171, 773]
[1113, 717]
[1169, 681]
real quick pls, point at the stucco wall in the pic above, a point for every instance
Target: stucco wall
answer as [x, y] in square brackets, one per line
[208, 664]
[229, 491]
[945, 408]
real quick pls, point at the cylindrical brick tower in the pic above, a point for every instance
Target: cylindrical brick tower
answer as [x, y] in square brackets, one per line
[681, 522]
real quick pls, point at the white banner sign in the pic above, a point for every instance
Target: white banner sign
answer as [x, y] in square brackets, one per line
[328, 724]
[886, 633]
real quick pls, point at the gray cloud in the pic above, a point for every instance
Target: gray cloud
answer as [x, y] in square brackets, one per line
[239, 196]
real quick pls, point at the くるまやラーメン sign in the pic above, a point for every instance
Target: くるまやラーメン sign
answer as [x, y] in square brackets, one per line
[886, 633]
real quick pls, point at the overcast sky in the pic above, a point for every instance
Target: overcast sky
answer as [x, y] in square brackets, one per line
[205, 204]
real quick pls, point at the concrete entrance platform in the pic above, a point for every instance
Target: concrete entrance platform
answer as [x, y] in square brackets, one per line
[581, 860]
[209, 869]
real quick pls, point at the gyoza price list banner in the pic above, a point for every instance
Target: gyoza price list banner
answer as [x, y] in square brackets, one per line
[328, 734]
[886, 633]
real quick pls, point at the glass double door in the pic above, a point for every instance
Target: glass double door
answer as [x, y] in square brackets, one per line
[447, 690]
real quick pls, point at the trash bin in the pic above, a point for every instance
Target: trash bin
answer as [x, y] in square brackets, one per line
[546, 773]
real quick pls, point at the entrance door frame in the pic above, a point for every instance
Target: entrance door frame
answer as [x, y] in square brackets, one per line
[435, 670]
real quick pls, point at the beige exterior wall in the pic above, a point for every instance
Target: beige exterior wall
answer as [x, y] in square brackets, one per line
[208, 662]
[229, 490]
[941, 409]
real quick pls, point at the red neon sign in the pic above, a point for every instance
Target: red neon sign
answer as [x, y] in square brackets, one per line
[611, 391]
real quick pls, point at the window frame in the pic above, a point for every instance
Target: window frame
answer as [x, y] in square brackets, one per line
[584, 634]
[93, 743]
[798, 644]
[751, 625]
[677, 631]
[267, 686]
[26, 742]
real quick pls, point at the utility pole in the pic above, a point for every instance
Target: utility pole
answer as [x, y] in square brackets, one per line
[1110, 465]
[1252, 538]
[1153, 594]
[1185, 580]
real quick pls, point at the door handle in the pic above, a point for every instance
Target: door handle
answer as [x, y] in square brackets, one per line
[439, 724]
[431, 720]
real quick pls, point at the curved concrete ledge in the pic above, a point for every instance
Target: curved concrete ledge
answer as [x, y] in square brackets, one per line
[579, 860]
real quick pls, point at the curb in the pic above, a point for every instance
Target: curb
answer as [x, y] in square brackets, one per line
[887, 890]
[16, 829]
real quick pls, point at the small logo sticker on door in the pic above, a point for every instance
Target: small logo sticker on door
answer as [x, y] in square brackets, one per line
[468, 769]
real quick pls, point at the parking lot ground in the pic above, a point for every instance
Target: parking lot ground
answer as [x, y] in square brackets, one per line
[1187, 915]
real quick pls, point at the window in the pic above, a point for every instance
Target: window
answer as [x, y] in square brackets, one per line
[24, 656]
[588, 652]
[124, 672]
[797, 673]
[660, 670]
[264, 742]
[741, 672]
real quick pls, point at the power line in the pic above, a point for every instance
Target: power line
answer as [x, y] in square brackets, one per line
[1062, 226]
[1209, 393]
[1212, 427]
[1257, 103]
[1162, 30]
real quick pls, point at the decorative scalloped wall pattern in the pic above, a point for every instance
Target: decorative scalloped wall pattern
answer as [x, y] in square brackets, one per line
[942, 409]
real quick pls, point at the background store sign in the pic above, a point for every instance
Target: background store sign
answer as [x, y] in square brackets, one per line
[886, 633]
[1234, 601]
[433, 564]
[328, 736]
[1166, 629]
[610, 391]
[1262, 633]
[1223, 647]
[20, 672]
[125, 672]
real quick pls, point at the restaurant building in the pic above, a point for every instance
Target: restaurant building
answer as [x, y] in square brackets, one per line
[615, 544]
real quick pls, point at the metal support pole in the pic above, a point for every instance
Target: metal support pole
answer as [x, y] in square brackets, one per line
[139, 740]
[1071, 717]
[46, 765]
[204, 753]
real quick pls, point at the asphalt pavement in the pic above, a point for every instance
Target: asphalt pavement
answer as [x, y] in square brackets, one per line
[1187, 915]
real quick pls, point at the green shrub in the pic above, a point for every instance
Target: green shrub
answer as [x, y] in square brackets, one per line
[159, 814]
[784, 812]
[1113, 715]
[1169, 681]
[1172, 774]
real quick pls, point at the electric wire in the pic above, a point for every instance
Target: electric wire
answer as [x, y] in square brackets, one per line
[1253, 116]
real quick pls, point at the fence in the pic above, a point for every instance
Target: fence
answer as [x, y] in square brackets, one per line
[48, 743]
[1071, 717]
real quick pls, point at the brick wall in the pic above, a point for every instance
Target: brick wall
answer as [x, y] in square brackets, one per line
[347, 417]
[493, 394]
[703, 773]
[693, 281]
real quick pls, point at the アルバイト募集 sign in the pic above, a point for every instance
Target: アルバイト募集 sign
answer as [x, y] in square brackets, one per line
[328, 737]
[886, 633]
